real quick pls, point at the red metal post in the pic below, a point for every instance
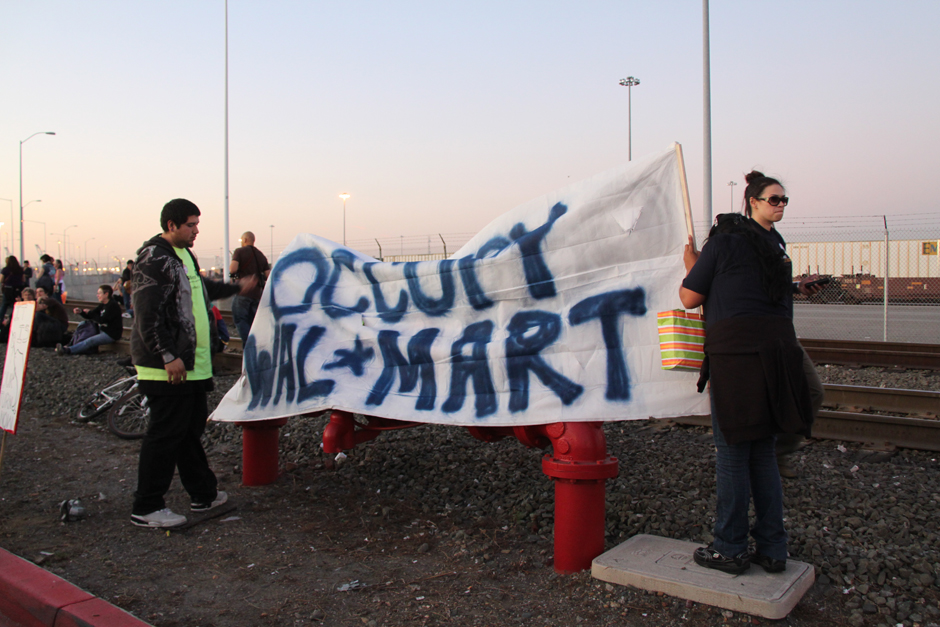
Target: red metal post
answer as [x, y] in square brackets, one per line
[259, 451]
[580, 466]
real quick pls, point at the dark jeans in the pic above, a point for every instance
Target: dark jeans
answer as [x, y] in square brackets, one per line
[243, 312]
[127, 302]
[745, 470]
[172, 442]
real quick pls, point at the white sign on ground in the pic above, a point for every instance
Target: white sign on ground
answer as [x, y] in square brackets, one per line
[548, 314]
[14, 367]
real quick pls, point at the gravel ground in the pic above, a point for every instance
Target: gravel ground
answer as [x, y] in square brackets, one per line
[868, 520]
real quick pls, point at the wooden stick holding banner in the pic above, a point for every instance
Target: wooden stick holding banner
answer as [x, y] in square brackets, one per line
[685, 196]
[14, 369]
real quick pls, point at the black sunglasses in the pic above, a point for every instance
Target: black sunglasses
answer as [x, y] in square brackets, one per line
[776, 200]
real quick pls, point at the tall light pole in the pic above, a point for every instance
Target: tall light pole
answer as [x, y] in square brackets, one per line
[228, 254]
[706, 116]
[21, 182]
[272, 243]
[344, 196]
[629, 82]
[731, 184]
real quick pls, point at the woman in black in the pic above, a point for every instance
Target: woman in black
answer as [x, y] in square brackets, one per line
[758, 386]
[12, 281]
[107, 315]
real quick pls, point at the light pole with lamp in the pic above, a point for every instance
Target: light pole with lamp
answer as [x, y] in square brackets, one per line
[731, 184]
[272, 243]
[21, 182]
[344, 196]
[629, 82]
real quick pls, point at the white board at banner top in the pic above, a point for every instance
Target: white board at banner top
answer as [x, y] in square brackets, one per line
[14, 367]
[547, 315]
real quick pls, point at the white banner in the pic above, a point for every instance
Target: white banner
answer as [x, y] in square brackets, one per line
[548, 314]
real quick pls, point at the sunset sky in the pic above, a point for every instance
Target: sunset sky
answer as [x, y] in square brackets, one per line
[437, 117]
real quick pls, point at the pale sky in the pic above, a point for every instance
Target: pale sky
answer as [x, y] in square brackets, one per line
[436, 117]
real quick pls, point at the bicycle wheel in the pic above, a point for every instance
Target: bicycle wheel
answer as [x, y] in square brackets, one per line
[100, 401]
[130, 416]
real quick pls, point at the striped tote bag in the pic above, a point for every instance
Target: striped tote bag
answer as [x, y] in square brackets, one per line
[681, 339]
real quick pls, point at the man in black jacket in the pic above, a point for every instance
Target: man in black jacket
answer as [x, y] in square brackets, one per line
[171, 347]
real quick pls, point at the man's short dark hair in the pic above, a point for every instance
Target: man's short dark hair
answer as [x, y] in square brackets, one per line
[176, 211]
[130, 262]
[107, 289]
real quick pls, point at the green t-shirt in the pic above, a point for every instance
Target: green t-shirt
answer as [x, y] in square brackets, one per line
[203, 367]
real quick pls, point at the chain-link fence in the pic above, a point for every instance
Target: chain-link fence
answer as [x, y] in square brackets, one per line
[885, 277]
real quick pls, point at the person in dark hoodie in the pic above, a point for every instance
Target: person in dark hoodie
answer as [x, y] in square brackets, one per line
[171, 344]
[107, 315]
[755, 365]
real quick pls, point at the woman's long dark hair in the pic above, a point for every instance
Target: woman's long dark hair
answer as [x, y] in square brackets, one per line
[775, 271]
[13, 265]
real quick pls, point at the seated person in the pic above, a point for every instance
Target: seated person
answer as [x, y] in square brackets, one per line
[51, 321]
[27, 294]
[107, 315]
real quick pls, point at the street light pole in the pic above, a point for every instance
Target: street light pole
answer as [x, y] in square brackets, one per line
[21, 182]
[44, 241]
[272, 243]
[344, 196]
[629, 82]
[731, 184]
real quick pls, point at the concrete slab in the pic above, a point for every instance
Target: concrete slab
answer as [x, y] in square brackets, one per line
[666, 565]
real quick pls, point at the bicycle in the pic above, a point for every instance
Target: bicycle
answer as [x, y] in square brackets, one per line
[102, 400]
[129, 417]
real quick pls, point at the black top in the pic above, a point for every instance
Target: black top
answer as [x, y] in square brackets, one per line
[108, 317]
[727, 273]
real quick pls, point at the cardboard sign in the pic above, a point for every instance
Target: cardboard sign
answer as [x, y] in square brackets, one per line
[14, 367]
[548, 314]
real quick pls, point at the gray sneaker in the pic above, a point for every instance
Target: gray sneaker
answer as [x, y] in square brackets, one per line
[159, 519]
[220, 499]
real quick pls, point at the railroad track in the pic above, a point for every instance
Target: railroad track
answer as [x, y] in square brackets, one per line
[885, 354]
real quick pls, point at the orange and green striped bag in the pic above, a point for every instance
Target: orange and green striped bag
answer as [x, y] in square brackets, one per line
[681, 339]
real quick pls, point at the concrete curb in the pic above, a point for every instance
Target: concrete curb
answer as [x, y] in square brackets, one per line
[33, 597]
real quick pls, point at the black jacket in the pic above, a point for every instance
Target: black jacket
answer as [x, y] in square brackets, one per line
[164, 327]
[108, 317]
[758, 386]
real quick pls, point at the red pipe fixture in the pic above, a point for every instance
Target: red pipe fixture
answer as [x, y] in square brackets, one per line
[342, 432]
[259, 451]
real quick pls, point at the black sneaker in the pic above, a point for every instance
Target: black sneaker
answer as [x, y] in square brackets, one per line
[708, 557]
[769, 564]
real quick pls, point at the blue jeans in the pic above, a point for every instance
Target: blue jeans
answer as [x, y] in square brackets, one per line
[745, 470]
[243, 312]
[94, 341]
[127, 302]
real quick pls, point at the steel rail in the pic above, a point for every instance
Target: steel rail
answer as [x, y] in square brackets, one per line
[885, 354]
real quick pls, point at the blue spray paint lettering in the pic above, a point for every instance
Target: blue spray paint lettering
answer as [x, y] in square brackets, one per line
[431, 306]
[478, 299]
[475, 367]
[529, 333]
[321, 387]
[284, 362]
[419, 365]
[537, 275]
[310, 255]
[260, 372]
[342, 258]
[607, 308]
[354, 359]
[386, 313]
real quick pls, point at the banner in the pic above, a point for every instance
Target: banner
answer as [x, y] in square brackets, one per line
[548, 314]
